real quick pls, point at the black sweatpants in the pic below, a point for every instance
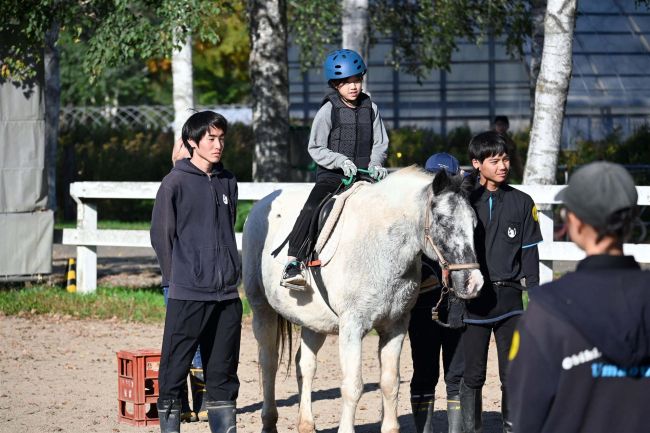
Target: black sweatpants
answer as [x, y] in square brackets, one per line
[427, 339]
[476, 342]
[216, 327]
[325, 183]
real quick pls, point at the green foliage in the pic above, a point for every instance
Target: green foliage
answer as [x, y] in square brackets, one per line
[139, 155]
[414, 146]
[426, 33]
[116, 31]
[221, 70]
[314, 25]
[129, 84]
[629, 151]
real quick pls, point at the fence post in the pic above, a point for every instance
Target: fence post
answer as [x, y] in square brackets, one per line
[545, 216]
[86, 255]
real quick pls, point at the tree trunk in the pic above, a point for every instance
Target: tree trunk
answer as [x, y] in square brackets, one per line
[354, 20]
[52, 109]
[551, 92]
[182, 85]
[538, 8]
[270, 89]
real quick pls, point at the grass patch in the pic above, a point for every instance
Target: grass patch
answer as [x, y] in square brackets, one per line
[108, 225]
[145, 305]
[243, 209]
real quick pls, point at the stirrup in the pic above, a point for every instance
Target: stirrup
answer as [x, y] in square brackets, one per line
[286, 282]
[296, 287]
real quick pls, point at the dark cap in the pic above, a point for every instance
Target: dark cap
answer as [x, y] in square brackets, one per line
[439, 161]
[597, 190]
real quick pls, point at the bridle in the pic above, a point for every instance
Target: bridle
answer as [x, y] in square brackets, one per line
[445, 266]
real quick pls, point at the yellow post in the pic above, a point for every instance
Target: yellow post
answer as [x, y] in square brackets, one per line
[71, 277]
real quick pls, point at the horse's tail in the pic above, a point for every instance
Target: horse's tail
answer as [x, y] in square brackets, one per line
[284, 339]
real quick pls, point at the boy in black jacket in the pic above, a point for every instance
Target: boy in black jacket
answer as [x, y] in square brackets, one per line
[506, 239]
[192, 232]
[580, 357]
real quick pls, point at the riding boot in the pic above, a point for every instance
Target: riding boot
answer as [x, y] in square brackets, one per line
[453, 413]
[471, 408]
[505, 413]
[422, 407]
[197, 384]
[221, 416]
[169, 413]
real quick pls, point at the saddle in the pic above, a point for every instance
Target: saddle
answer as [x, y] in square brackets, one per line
[321, 223]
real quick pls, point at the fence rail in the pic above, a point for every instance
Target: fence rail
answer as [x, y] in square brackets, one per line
[87, 237]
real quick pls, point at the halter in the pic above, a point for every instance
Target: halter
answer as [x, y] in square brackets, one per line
[446, 267]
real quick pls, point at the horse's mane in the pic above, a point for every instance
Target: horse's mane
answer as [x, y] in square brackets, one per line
[408, 176]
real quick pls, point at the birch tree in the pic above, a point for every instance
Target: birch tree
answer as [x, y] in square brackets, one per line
[182, 82]
[354, 26]
[270, 89]
[551, 92]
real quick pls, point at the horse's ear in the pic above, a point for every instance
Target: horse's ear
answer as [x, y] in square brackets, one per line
[440, 182]
[468, 184]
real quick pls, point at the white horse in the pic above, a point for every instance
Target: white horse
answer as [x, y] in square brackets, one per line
[370, 283]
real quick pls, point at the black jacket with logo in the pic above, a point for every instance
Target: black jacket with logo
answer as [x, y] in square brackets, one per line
[506, 239]
[580, 358]
[193, 234]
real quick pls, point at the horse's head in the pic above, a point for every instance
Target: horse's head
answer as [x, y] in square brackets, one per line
[449, 233]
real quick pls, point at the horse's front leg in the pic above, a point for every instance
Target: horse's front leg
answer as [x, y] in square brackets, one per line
[310, 344]
[350, 335]
[390, 347]
[265, 328]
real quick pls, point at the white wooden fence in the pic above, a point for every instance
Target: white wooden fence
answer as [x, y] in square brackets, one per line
[87, 237]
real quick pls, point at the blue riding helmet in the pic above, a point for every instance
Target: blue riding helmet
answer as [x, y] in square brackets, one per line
[342, 64]
[440, 161]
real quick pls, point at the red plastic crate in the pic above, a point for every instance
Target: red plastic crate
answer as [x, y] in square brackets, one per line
[137, 386]
[137, 414]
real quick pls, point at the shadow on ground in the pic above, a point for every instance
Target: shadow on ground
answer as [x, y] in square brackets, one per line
[491, 420]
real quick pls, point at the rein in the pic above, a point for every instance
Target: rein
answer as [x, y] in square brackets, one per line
[446, 267]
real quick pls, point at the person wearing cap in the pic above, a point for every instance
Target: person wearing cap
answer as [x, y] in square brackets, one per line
[347, 134]
[506, 238]
[580, 357]
[428, 338]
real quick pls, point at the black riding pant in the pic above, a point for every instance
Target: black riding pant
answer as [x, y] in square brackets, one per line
[216, 327]
[326, 183]
[427, 339]
[476, 342]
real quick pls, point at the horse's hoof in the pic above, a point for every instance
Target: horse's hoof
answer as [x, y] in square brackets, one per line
[306, 427]
[270, 430]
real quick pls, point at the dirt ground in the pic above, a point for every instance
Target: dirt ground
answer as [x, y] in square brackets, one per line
[60, 375]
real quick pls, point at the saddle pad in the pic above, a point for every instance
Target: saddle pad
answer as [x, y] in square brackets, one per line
[328, 239]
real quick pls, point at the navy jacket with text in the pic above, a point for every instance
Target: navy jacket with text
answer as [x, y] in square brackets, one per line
[580, 357]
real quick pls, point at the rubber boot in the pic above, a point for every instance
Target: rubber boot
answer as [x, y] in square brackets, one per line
[453, 414]
[505, 413]
[197, 384]
[169, 413]
[187, 415]
[422, 407]
[471, 408]
[221, 416]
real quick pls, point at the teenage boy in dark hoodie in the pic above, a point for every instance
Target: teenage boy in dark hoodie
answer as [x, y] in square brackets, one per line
[580, 357]
[192, 232]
